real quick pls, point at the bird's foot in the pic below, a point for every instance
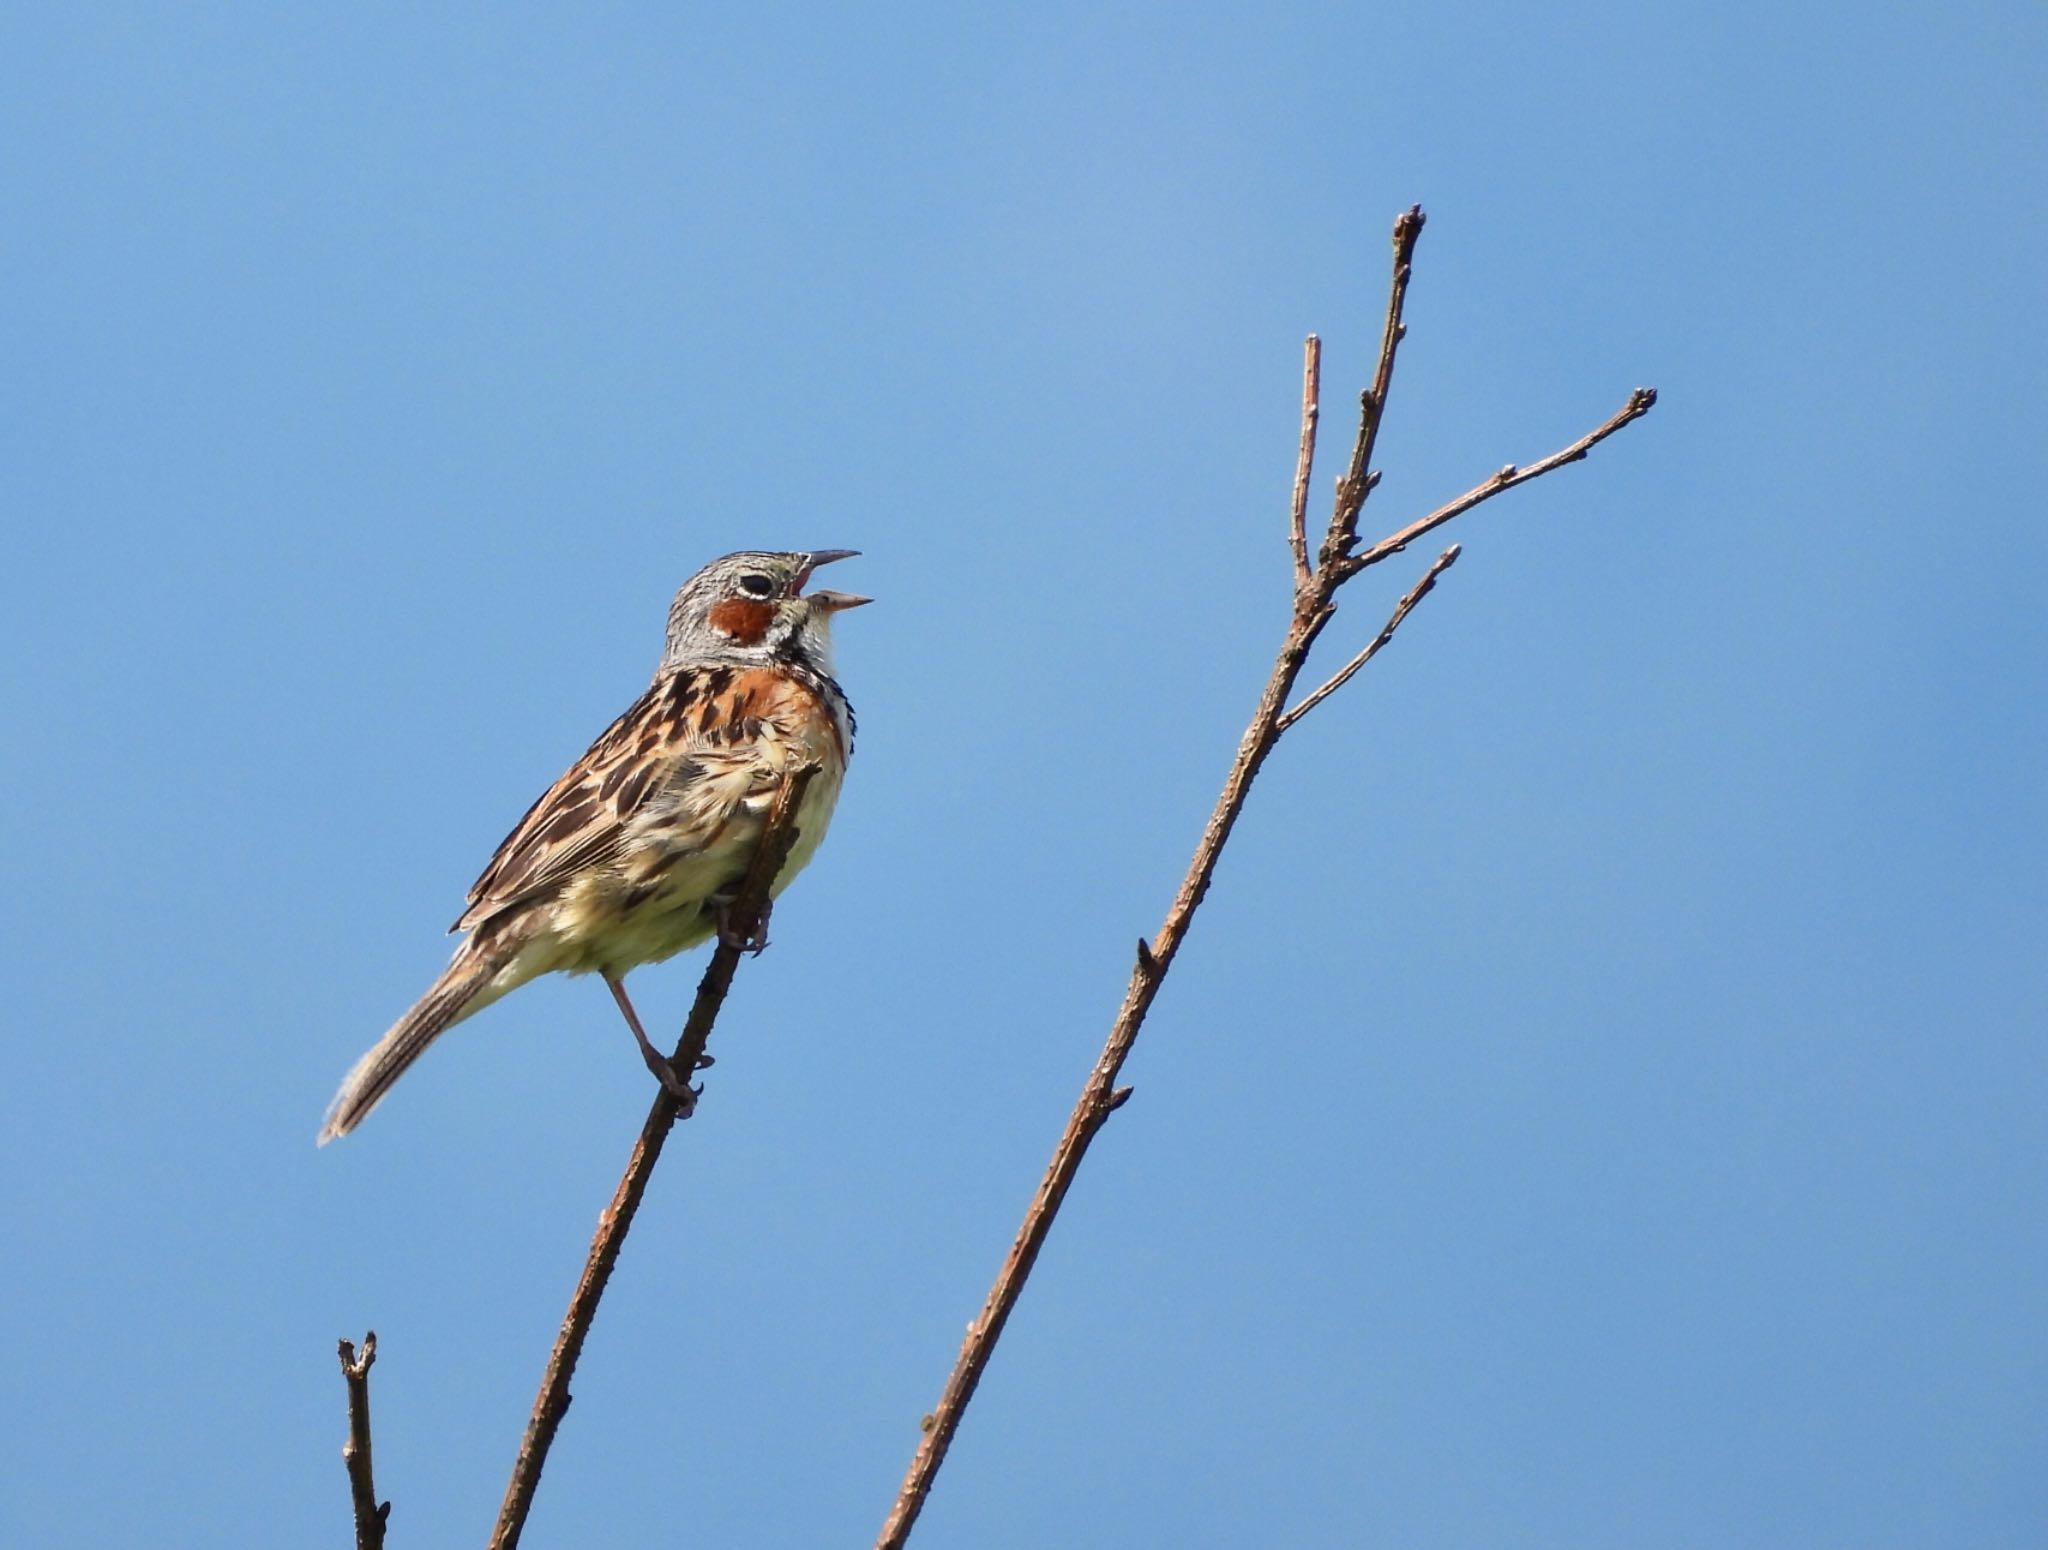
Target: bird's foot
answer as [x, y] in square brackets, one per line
[748, 937]
[664, 1072]
[684, 1094]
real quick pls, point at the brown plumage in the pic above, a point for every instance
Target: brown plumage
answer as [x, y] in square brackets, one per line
[632, 855]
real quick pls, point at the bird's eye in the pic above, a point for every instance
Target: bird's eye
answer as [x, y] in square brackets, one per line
[756, 585]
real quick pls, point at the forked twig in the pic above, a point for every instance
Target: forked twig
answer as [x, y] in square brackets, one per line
[1314, 606]
[552, 1403]
[1342, 676]
[371, 1515]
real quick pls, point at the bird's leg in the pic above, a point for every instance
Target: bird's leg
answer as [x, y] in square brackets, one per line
[750, 938]
[684, 1094]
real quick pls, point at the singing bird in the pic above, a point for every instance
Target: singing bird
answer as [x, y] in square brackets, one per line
[635, 853]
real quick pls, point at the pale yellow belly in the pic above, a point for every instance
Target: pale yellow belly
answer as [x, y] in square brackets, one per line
[655, 904]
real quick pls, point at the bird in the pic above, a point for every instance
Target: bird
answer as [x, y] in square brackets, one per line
[636, 852]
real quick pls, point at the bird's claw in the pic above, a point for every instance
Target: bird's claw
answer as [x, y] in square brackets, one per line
[684, 1094]
[751, 938]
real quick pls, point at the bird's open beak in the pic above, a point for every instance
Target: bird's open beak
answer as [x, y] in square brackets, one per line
[819, 557]
[836, 602]
[832, 602]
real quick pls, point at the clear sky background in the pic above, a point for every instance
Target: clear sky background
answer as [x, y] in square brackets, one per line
[1602, 1103]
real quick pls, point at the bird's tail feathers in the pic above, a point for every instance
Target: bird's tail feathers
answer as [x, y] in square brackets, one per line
[464, 987]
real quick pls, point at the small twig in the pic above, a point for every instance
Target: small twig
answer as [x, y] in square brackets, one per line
[355, 1453]
[1639, 404]
[777, 837]
[1311, 411]
[1342, 676]
[1358, 480]
[1100, 1096]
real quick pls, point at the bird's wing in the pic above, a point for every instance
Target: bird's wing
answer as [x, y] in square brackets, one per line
[710, 731]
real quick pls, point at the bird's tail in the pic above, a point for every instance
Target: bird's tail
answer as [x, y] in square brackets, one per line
[465, 986]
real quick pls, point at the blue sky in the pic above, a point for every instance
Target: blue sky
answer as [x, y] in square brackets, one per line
[1601, 1103]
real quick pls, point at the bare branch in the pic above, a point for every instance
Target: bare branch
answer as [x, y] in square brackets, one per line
[1311, 410]
[355, 1453]
[1100, 1096]
[1639, 404]
[779, 835]
[1342, 676]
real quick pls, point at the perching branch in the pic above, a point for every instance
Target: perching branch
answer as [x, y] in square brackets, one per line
[777, 838]
[1314, 606]
[355, 1453]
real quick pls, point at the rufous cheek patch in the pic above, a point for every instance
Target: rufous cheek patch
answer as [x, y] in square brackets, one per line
[741, 621]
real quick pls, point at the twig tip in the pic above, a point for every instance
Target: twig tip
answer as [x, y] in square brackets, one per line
[356, 1362]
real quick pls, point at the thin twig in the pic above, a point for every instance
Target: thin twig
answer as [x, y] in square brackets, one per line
[1358, 480]
[777, 838]
[1639, 404]
[1100, 1096]
[1342, 676]
[1305, 461]
[355, 1453]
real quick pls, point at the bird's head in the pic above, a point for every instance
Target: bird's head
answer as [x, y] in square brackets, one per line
[752, 607]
